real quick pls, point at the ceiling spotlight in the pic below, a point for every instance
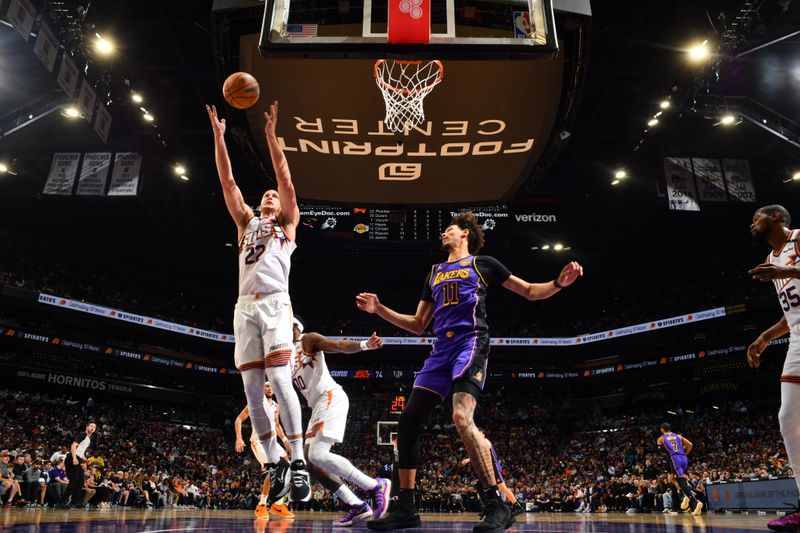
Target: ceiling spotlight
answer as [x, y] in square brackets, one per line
[796, 176]
[185, 177]
[652, 122]
[546, 247]
[699, 52]
[137, 98]
[180, 169]
[71, 112]
[614, 183]
[620, 174]
[558, 247]
[3, 168]
[727, 119]
[664, 104]
[103, 46]
[148, 117]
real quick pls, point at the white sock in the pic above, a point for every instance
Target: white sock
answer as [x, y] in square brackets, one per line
[262, 500]
[346, 495]
[789, 418]
[297, 449]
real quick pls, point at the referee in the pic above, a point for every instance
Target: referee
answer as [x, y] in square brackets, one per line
[72, 464]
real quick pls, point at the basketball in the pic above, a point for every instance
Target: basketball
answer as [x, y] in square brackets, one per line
[240, 90]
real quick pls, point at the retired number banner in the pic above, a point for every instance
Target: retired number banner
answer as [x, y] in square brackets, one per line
[681, 193]
[739, 180]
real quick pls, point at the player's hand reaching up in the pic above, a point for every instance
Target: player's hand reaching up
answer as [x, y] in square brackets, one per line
[754, 351]
[271, 119]
[374, 342]
[570, 273]
[367, 301]
[218, 126]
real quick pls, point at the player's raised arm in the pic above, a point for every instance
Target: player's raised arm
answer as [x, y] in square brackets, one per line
[290, 212]
[542, 291]
[416, 323]
[239, 210]
[314, 342]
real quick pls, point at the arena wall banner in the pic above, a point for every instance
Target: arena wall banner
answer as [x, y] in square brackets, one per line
[681, 192]
[62, 173]
[86, 100]
[766, 494]
[46, 46]
[125, 176]
[710, 182]
[48, 378]
[739, 180]
[68, 75]
[94, 173]
[588, 338]
[21, 14]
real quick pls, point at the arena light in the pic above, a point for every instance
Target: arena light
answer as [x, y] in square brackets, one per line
[179, 169]
[71, 112]
[103, 46]
[728, 119]
[148, 117]
[184, 177]
[620, 174]
[137, 98]
[664, 104]
[3, 168]
[546, 247]
[615, 183]
[558, 247]
[652, 122]
[698, 52]
[796, 176]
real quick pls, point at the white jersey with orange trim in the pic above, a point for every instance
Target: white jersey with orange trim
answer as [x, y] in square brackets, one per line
[788, 289]
[310, 374]
[264, 258]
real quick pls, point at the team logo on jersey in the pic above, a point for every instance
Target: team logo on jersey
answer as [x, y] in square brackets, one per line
[304, 360]
[462, 273]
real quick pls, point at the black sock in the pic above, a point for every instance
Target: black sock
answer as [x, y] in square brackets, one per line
[405, 498]
[492, 493]
[687, 490]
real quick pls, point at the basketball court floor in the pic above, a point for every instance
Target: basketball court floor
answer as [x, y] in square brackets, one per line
[130, 521]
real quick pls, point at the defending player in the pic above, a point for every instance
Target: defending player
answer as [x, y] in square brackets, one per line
[272, 490]
[679, 447]
[454, 295]
[262, 319]
[329, 405]
[771, 223]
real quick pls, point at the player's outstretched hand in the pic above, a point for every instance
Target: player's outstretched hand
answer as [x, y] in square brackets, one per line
[367, 301]
[271, 119]
[768, 272]
[570, 273]
[217, 125]
[754, 351]
[239, 445]
[374, 342]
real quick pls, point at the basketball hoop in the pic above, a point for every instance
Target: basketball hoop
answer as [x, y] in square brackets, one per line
[404, 85]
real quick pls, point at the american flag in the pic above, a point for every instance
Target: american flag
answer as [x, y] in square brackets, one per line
[302, 30]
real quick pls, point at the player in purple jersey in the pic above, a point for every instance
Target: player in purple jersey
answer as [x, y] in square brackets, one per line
[679, 447]
[454, 295]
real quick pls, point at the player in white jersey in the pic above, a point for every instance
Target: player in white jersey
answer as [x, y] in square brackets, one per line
[771, 223]
[272, 489]
[329, 406]
[262, 321]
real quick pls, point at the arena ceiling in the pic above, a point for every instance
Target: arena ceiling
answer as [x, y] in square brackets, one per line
[166, 52]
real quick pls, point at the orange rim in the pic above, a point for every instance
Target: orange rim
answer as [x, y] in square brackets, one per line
[383, 84]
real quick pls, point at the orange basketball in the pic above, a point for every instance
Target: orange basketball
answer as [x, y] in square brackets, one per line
[240, 90]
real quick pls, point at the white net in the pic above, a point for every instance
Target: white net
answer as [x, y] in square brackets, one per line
[404, 85]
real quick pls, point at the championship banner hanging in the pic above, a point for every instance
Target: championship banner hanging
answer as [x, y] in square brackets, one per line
[739, 180]
[46, 47]
[86, 100]
[102, 122]
[62, 173]
[94, 174]
[125, 176]
[68, 76]
[21, 14]
[709, 179]
[681, 192]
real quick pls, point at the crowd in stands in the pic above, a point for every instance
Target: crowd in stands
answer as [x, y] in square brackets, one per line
[553, 460]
